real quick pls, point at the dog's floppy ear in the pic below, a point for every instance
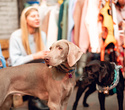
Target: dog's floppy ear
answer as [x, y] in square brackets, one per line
[95, 65]
[74, 54]
[102, 73]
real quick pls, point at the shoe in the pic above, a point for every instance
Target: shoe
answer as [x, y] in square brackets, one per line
[37, 104]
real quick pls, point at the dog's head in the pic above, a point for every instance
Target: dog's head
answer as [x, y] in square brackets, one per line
[100, 72]
[62, 51]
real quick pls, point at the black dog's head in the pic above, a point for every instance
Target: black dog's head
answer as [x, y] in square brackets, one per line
[101, 72]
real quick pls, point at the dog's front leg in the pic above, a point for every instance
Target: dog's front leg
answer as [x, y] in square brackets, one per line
[54, 104]
[120, 97]
[64, 107]
[7, 103]
[101, 97]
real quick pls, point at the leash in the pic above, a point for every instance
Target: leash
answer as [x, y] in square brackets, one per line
[115, 81]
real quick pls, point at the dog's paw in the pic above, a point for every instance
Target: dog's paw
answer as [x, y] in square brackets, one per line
[74, 106]
[85, 105]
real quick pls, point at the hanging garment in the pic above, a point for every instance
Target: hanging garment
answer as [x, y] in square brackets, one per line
[45, 23]
[84, 36]
[70, 19]
[59, 21]
[116, 32]
[43, 11]
[120, 12]
[65, 20]
[52, 26]
[93, 25]
[77, 18]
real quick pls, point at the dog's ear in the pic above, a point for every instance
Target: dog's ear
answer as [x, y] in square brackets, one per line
[74, 54]
[95, 66]
[103, 72]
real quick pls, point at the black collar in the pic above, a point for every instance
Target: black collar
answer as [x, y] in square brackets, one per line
[65, 68]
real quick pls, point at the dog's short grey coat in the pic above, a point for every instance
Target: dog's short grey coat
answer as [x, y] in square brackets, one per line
[36, 79]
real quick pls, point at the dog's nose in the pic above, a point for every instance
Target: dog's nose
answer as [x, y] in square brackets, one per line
[46, 59]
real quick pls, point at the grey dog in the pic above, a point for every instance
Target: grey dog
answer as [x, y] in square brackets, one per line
[54, 84]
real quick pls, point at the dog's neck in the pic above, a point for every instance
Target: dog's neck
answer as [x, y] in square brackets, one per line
[60, 71]
[114, 82]
[65, 68]
[108, 80]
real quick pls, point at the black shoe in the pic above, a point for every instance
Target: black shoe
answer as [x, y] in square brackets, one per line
[37, 104]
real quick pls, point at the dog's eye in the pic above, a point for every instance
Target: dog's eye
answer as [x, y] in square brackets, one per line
[50, 48]
[60, 48]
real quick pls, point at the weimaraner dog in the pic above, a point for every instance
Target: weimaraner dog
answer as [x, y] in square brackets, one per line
[53, 84]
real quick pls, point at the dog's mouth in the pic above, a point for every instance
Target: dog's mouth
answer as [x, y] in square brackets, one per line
[47, 61]
[47, 64]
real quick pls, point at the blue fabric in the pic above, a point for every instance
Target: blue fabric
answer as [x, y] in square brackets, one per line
[114, 89]
[70, 19]
[2, 59]
[33, 2]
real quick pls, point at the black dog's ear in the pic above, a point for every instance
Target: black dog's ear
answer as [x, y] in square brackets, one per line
[92, 70]
[103, 72]
[101, 76]
[94, 66]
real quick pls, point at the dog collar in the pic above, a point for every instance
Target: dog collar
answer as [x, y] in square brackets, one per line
[64, 67]
[115, 82]
[70, 73]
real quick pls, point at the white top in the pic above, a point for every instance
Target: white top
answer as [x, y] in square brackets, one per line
[17, 52]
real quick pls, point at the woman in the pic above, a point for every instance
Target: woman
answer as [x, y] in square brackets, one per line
[28, 43]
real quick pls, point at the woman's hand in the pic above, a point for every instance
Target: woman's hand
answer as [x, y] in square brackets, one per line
[40, 55]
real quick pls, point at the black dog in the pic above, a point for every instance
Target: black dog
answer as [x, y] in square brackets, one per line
[103, 74]
[81, 84]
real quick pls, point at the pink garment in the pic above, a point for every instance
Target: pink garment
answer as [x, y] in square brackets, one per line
[77, 18]
[84, 36]
[91, 21]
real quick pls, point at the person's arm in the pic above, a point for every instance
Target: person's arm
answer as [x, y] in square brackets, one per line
[17, 53]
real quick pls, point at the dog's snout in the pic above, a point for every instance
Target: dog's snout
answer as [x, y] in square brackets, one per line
[46, 59]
